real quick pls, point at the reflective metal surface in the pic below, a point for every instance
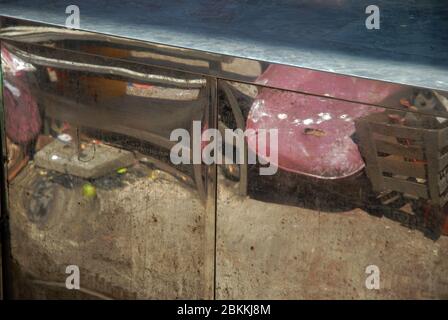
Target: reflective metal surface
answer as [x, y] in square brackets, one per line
[310, 230]
[360, 168]
[91, 183]
[267, 74]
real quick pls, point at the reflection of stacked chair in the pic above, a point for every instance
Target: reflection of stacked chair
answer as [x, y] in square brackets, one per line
[409, 157]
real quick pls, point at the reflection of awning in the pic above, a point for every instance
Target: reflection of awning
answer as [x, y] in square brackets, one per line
[322, 35]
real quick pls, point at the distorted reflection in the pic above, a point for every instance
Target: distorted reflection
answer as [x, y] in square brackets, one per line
[335, 154]
[91, 182]
[356, 185]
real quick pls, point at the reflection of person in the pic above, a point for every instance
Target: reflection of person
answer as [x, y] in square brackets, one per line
[22, 119]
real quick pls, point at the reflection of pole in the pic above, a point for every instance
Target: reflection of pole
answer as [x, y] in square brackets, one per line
[210, 219]
[82, 149]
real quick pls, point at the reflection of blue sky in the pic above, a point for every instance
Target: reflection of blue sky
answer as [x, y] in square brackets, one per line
[411, 47]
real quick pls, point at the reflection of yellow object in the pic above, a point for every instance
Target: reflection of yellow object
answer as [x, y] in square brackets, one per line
[315, 132]
[122, 171]
[88, 190]
[104, 88]
[106, 51]
[153, 175]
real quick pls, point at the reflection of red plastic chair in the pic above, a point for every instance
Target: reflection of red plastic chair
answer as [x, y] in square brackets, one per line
[21, 112]
[22, 118]
[314, 132]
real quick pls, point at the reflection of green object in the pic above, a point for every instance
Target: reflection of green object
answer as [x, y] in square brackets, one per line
[88, 190]
[122, 171]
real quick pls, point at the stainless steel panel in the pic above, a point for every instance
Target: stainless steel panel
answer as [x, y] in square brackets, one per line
[267, 74]
[90, 181]
[113, 92]
[310, 230]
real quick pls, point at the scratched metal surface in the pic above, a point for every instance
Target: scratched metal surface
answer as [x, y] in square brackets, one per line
[330, 35]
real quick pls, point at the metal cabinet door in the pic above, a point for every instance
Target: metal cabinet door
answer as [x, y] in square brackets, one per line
[93, 193]
[315, 227]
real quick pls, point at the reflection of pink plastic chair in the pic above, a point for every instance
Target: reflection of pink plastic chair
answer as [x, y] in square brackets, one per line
[22, 118]
[21, 112]
[314, 132]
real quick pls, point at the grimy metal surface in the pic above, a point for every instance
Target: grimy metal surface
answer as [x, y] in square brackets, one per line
[409, 48]
[137, 70]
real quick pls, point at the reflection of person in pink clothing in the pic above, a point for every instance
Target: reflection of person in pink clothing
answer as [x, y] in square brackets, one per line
[22, 118]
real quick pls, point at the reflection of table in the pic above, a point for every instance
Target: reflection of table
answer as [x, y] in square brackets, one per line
[150, 120]
[95, 161]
